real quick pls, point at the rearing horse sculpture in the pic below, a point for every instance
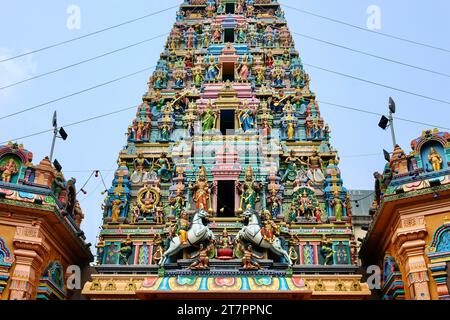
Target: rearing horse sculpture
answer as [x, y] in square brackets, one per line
[252, 233]
[198, 232]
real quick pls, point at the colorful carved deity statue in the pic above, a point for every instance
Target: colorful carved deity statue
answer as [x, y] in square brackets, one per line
[249, 190]
[327, 251]
[178, 202]
[212, 71]
[243, 68]
[291, 170]
[201, 190]
[338, 206]
[246, 117]
[278, 77]
[248, 262]
[435, 159]
[163, 168]
[315, 173]
[202, 256]
[209, 118]
[8, 170]
[270, 229]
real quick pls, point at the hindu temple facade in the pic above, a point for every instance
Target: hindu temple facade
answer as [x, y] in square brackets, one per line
[409, 238]
[41, 243]
[228, 186]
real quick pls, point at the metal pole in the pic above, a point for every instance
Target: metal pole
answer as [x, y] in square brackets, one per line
[55, 134]
[391, 124]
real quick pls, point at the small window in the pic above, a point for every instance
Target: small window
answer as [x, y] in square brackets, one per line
[229, 8]
[228, 71]
[226, 121]
[229, 35]
[226, 193]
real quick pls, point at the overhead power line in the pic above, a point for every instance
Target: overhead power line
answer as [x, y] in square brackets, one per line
[73, 123]
[368, 30]
[378, 84]
[83, 61]
[380, 114]
[89, 34]
[372, 55]
[76, 93]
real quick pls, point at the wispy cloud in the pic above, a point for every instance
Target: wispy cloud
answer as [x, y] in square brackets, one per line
[13, 71]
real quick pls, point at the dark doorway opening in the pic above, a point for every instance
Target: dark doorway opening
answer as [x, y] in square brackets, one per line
[229, 8]
[225, 199]
[228, 71]
[226, 121]
[229, 35]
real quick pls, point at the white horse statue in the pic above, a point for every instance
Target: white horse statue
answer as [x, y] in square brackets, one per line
[252, 233]
[196, 233]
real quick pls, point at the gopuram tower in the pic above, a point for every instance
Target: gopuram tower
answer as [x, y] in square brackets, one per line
[228, 186]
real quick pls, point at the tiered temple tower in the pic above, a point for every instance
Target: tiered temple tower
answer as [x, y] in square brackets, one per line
[228, 185]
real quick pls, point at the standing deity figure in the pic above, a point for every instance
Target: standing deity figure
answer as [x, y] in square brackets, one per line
[209, 118]
[217, 33]
[116, 209]
[212, 70]
[220, 8]
[260, 77]
[203, 257]
[249, 190]
[190, 38]
[159, 214]
[197, 76]
[178, 202]
[166, 124]
[274, 202]
[246, 117]
[248, 262]
[8, 170]
[183, 227]
[201, 190]
[315, 173]
[435, 159]
[162, 165]
[244, 69]
[270, 229]
[135, 213]
[338, 206]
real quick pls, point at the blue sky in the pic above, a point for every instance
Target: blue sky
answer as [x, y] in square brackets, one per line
[27, 25]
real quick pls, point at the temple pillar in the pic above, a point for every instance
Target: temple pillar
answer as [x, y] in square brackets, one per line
[409, 240]
[30, 250]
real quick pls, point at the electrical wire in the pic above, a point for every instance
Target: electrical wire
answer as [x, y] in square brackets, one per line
[81, 62]
[372, 55]
[367, 30]
[76, 93]
[88, 34]
[378, 84]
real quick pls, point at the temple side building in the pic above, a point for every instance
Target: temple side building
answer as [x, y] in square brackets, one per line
[40, 236]
[228, 186]
[409, 237]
